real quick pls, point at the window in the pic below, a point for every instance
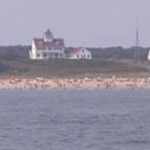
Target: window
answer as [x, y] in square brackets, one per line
[61, 55]
[44, 54]
[56, 55]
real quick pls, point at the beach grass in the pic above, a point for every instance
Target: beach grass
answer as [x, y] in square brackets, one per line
[21, 67]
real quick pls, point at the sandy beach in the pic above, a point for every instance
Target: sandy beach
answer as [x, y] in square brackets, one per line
[97, 82]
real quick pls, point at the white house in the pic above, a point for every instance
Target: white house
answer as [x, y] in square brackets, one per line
[47, 47]
[79, 53]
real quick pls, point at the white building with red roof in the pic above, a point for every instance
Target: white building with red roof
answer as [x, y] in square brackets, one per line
[47, 47]
[79, 53]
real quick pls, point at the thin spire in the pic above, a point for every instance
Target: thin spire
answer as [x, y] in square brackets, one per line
[137, 52]
[137, 32]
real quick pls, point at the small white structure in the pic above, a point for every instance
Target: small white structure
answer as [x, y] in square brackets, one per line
[149, 55]
[79, 53]
[47, 47]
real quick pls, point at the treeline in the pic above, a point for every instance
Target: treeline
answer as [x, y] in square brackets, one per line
[120, 53]
[97, 53]
[14, 51]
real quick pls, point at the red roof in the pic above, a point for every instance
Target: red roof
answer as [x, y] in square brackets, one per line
[40, 43]
[76, 50]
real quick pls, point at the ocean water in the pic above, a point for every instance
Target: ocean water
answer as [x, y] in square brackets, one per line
[75, 119]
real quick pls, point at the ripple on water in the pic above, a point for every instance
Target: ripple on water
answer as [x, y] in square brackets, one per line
[75, 119]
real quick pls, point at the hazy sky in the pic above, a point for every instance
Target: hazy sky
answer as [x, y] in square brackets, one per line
[80, 22]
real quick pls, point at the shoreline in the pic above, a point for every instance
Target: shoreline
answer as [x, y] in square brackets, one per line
[75, 83]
